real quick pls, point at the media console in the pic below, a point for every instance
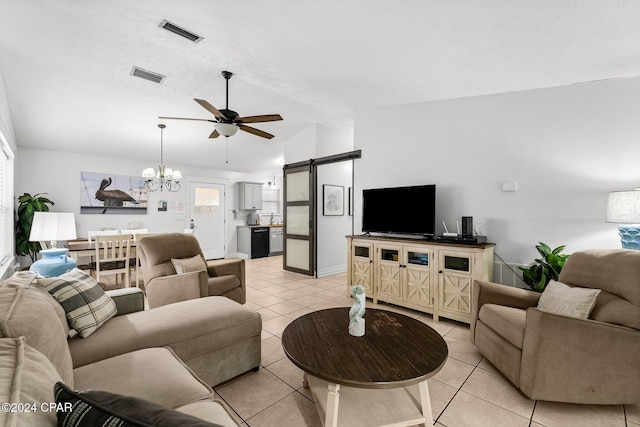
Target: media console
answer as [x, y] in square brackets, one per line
[427, 275]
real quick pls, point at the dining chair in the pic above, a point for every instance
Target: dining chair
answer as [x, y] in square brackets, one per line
[135, 232]
[91, 234]
[112, 257]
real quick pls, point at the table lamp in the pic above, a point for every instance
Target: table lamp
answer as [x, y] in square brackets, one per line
[624, 207]
[53, 226]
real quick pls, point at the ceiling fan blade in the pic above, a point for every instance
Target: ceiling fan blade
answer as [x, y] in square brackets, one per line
[260, 119]
[255, 131]
[186, 118]
[210, 108]
[214, 134]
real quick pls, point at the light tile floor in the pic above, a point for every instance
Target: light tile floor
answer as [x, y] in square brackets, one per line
[468, 391]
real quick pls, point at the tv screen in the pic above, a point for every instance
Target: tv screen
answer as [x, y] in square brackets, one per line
[400, 210]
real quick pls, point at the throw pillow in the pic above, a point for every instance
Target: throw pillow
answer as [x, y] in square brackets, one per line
[562, 299]
[187, 265]
[86, 305]
[101, 408]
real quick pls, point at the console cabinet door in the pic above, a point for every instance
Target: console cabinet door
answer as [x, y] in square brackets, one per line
[417, 276]
[362, 267]
[455, 284]
[388, 272]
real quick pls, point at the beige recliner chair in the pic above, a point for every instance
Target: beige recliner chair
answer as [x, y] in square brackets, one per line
[163, 285]
[566, 359]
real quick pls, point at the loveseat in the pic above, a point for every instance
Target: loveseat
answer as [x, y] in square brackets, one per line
[162, 255]
[578, 342]
[167, 357]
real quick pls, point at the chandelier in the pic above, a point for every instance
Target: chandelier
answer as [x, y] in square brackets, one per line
[165, 178]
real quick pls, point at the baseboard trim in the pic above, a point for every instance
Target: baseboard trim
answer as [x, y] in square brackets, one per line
[332, 270]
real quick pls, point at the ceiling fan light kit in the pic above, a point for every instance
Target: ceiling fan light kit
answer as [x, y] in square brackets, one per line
[226, 129]
[227, 122]
[166, 178]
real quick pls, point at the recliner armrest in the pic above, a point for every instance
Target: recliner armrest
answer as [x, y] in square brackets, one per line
[165, 290]
[128, 300]
[494, 293]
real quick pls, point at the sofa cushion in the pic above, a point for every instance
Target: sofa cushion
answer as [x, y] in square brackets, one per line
[30, 312]
[187, 265]
[27, 279]
[508, 322]
[153, 374]
[26, 379]
[613, 309]
[101, 408]
[83, 299]
[570, 301]
[191, 328]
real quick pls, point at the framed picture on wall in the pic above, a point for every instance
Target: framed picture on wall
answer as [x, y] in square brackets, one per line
[105, 193]
[333, 200]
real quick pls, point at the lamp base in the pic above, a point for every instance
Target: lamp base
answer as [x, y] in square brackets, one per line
[630, 236]
[54, 262]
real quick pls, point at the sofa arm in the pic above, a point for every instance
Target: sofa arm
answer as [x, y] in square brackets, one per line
[128, 300]
[165, 290]
[494, 293]
[579, 360]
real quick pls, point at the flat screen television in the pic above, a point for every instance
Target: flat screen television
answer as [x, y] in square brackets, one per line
[400, 210]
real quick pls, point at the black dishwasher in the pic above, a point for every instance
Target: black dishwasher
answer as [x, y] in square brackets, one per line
[259, 242]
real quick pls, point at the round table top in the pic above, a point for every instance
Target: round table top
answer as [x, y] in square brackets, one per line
[395, 351]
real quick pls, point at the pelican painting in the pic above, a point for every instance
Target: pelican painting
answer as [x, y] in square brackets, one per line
[112, 194]
[112, 197]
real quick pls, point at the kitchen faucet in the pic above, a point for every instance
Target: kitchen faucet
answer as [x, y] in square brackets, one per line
[271, 220]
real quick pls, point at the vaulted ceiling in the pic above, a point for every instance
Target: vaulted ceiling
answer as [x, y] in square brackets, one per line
[67, 65]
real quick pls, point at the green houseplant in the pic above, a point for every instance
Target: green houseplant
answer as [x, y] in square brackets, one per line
[27, 206]
[546, 268]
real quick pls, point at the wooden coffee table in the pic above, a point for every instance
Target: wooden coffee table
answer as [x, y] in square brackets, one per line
[367, 375]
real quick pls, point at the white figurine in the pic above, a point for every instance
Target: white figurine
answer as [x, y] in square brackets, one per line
[356, 322]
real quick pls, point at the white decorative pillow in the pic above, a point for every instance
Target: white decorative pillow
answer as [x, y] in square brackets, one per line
[86, 305]
[563, 299]
[187, 265]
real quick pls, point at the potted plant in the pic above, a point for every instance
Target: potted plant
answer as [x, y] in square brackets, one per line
[27, 206]
[546, 268]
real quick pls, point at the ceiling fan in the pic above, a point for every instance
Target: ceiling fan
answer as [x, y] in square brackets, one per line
[227, 122]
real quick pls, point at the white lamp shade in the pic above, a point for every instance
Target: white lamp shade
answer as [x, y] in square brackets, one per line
[623, 207]
[226, 129]
[177, 175]
[148, 173]
[53, 226]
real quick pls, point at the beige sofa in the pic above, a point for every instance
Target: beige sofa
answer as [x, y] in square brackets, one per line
[224, 277]
[560, 358]
[170, 355]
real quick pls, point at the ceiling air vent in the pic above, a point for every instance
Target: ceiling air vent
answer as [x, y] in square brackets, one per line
[170, 26]
[147, 75]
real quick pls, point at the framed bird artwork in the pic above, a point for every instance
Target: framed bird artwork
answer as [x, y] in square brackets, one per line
[102, 193]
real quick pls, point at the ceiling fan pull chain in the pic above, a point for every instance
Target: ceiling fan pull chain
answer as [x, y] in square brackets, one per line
[226, 141]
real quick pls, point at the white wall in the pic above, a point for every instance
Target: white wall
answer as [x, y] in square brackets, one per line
[6, 125]
[58, 174]
[566, 147]
[332, 245]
